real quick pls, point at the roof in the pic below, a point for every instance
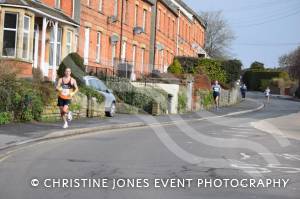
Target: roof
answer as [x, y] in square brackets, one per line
[40, 8]
[152, 2]
[171, 6]
[195, 15]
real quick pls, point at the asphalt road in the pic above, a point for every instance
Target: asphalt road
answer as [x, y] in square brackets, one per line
[213, 150]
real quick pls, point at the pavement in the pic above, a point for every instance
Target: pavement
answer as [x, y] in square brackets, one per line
[22, 133]
[212, 146]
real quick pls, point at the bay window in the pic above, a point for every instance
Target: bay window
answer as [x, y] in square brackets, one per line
[10, 35]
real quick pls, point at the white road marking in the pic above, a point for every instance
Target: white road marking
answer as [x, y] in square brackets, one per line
[245, 156]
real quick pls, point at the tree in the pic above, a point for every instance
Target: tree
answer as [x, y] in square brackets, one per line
[257, 66]
[291, 62]
[218, 35]
[233, 69]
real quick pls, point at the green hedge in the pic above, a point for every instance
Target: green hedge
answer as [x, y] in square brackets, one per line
[255, 79]
[233, 69]
[212, 68]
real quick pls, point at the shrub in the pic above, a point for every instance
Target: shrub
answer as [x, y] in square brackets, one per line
[89, 92]
[75, 62]
[212, 68]
[175, 68]
[182, 101]
[206, 98]
[27, 102]
[8, 79]
[24, 100]
[5, 118]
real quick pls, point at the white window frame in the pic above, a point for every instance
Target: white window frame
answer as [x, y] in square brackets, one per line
[58, 48]
[162, 58]
[26, 32]
[123, 52]
[69, 41]
[144, 20]
[86, 45]
[113, 54]
[142, 59]
[76, 42]
[57, 4]
[136, 12]
[100, 7]
[98, 47]
[158, 19]
[11, 29]
[134, 55]
[126, 11]
[116, 4]
[73, 9]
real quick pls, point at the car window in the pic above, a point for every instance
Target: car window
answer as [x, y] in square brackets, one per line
[94, 84]
[97, 84]
[101, 85]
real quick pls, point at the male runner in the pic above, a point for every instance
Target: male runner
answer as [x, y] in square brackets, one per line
[67, 88]
[216, 93]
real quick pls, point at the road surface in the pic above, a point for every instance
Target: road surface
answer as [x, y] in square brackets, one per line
[166, 161]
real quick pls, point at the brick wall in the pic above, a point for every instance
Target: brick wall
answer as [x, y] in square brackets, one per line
[66, 5]
[23, 68]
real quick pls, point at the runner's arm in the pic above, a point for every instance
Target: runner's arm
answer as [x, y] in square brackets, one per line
[75, 86]
[58, 86]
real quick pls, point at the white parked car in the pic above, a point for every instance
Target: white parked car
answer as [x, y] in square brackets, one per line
[110, 99]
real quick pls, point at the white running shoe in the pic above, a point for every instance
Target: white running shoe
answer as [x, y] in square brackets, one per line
[65, 126]
[69, 116]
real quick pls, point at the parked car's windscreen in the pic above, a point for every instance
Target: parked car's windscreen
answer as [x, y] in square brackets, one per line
[97, 84]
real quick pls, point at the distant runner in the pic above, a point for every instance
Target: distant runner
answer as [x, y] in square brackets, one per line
[243, 90]
[67, 88]
[267, 94]
[216, 93]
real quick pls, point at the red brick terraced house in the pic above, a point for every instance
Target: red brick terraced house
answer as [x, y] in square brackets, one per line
[114, 32]
[37, 34]
[143, 35]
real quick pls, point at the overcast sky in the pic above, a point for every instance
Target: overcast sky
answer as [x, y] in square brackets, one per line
[265, 29]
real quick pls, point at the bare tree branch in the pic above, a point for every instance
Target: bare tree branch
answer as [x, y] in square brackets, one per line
[218, 34]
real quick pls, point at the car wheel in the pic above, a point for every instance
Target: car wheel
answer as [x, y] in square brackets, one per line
[112, 111]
